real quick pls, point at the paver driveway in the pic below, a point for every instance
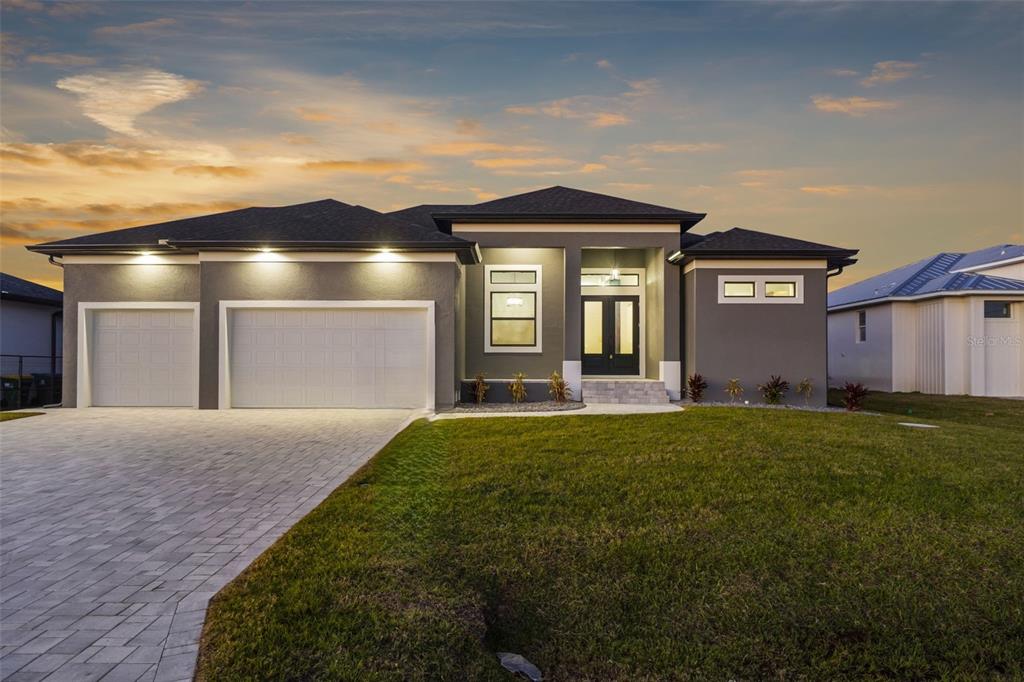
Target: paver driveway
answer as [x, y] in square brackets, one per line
[118, 525]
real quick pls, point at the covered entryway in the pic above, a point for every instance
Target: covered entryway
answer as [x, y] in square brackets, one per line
[139, 356]
[351, 355]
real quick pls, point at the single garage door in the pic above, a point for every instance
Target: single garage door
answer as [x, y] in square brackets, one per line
[324, 357]
[143, 358]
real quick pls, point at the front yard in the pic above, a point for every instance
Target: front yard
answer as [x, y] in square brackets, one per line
[711, 543]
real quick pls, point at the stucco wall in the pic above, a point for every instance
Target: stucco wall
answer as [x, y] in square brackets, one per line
[870, 361]
[25, 329]
[752, 341]
[109, 283]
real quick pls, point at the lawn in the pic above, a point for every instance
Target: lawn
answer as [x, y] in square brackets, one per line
[8, 416]
[999, 412]
[721, 543]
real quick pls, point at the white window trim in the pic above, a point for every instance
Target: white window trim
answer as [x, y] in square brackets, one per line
[759, 287]
[857, 326]
[224, 349]
[640, 290]
[85, 334]
[536, 288]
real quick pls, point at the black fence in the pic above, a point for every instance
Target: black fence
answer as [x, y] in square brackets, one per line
[29, 381]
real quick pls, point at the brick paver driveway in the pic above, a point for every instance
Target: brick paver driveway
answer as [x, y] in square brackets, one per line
[118, 525]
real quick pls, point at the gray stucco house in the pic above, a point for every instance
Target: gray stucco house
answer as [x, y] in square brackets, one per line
[327, 304]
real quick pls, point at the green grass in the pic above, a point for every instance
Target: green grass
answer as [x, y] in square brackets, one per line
[714, 543]
[8, 416]
[995, 412]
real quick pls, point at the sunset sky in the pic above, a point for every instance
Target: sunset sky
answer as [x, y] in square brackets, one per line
[889, 127]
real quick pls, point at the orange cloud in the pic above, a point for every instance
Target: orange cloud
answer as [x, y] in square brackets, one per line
[522, 110]
[315, 115]
[364, 166]
[215, 171]
[677, 147]
[605, 119]
[466, 147]
[521, 163]
[852, 106]
[296, 138]
[890, 72]
[141, 27]
[593, 167]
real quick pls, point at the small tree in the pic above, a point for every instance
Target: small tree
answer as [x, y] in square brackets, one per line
[805, 388]
[774, 390]
[695, 387]
[559, 388]
[480, 387]
[855, 393]
[516, 388]
[734, 389]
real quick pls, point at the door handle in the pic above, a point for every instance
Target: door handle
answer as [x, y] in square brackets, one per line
[609, 357]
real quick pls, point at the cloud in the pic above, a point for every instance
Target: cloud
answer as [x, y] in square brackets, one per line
[215, 171]
[677, 147]
[605, 119]
[604, 64]
[468, 126]
[497, 163]
[843, 73]
[59, 59]
[593, 167]
[400, 179]
[637, 186]
[852, 106]
[28, 154]
[296, 139]
[890, 72]
[17, 236]
[643, 88]
[364, 166]
[836, 190]
[141, 27]
[522, 110]
[466, 148]
[114, 99]
[315, 115]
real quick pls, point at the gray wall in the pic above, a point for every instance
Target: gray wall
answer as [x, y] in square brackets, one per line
[752, 341]
[212, 282]
[110, 283]
[25, 330]
[869, 362]
[504, 365]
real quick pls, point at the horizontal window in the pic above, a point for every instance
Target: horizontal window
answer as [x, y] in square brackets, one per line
[780, 289]
[997, 310]
[513, 277]
[738, 289]
[629, 279]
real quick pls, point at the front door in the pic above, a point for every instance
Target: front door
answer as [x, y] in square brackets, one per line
[611, 335]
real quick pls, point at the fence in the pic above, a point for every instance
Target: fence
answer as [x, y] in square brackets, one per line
[29, 381]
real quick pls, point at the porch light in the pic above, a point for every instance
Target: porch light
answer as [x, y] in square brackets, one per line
[615, 273]
[266, 249]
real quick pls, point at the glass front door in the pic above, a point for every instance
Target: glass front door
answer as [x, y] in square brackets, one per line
[611, 335]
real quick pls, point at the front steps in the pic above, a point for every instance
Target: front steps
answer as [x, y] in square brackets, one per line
[624, 391]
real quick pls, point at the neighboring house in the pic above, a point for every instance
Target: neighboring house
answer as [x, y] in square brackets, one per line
[30, 342]
[327, 304]
[948, 324]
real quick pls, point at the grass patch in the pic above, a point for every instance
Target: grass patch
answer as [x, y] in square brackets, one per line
[8, 416]
[963, 409]
[713, 543]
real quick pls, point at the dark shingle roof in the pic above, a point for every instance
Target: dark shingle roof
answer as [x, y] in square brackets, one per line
[18, 289]
[935, 275]
[423, 214]
[742, 242]
[325, 224]
[566, 203]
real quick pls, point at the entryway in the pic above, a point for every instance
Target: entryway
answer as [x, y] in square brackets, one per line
[611, 335]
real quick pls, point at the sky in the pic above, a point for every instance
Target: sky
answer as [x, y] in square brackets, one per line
[895, 128]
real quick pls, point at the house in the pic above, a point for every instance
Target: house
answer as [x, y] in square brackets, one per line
[948, 324]
[30, 341]
[329, 304]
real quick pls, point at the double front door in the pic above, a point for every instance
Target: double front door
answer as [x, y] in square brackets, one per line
[611, 335]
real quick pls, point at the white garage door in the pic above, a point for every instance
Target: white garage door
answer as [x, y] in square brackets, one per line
[325, 357]
[143, 358]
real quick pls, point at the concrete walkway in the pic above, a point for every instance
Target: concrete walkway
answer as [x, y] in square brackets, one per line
[118, 525]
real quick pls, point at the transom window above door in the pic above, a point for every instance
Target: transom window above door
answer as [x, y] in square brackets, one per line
[512, 309]
[613, 278]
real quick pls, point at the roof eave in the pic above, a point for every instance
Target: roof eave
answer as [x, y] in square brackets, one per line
[864, 303]
[35, 300]
[687, 219]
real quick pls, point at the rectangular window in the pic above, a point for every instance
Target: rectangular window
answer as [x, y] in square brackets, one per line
[780, 289]
[629, 279]
[512, 301]
[997, 310]
[738, 289]
[862, 326]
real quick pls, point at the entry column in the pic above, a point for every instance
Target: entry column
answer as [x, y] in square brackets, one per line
[572, 364]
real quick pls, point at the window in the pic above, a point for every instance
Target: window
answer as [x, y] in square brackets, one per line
[628, 279]
[512, 308]
[780, 289]
[997, 310]
[738, 290]
[862, 326]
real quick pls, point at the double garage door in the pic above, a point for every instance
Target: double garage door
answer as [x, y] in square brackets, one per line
[276, 357]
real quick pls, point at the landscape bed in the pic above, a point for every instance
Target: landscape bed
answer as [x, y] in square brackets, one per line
[712, 543]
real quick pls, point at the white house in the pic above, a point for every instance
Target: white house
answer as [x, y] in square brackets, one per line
[949, 324]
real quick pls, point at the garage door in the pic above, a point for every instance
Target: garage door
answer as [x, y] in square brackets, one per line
[143, 358]
[325, 357]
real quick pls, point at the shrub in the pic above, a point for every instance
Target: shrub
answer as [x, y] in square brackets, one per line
[855, 393]
[695, 387]
[774, 390]
[805, 388]
[559, 388]
[734, 389]
[480, 387]
[516, 387]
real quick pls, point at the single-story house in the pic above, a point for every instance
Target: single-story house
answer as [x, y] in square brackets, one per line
[30, 342]
[949, 324]
[329, 304]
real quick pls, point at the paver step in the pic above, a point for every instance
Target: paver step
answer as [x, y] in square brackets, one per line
[624, 391]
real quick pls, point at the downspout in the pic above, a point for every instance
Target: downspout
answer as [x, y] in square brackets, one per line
[839, 271]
